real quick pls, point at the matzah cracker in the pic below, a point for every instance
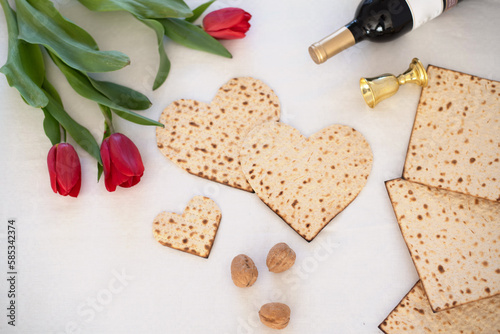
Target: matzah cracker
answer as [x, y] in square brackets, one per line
[453, 239]
[414, 316]
[455, 142]
[205, 139]
[307, 182]
[192, 232]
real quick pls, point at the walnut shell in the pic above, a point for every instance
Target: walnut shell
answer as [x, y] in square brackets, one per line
[280, 258]
[243, 271]
[275, 315]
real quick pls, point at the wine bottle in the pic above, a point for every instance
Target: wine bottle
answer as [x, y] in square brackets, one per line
[379, 21]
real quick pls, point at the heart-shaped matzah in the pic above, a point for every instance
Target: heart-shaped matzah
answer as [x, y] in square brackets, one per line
[307, 182]
[205, 139]
[193, 232]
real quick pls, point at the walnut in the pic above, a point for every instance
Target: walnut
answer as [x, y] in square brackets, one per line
[243, 271]
[280, 258]
[275, 315]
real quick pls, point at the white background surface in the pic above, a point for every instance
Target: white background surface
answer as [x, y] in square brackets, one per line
[71, 251]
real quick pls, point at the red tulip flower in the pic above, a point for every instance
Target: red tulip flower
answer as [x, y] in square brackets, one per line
[227, 23]
[121, 162]
[64, 170]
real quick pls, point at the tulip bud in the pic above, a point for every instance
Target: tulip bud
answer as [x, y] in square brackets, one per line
[64, 170]
[227, 23]
[121, 161]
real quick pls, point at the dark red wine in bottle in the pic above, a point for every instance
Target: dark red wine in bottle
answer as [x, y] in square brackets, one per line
[379, 21]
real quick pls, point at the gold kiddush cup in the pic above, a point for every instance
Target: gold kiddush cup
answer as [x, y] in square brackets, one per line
[380, 88]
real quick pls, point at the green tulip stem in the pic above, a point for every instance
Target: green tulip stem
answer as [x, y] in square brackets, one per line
[107, 119]
[63, 134]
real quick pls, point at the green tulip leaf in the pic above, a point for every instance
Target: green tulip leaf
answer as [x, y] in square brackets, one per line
[164, 67]
[41, 23]
[24, 68]
[80, 134]
[48, 88]
[100, 170]
[198, 11]
[32, 60]
[127, 97]
[136, 118]
[146, 9]
[192, 36]
[83, 85]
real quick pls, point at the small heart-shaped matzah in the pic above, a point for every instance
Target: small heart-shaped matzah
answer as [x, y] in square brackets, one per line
[205, 139]
[193, 232]
[306, 181]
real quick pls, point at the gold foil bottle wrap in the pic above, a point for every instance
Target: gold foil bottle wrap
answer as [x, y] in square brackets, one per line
[331, 45]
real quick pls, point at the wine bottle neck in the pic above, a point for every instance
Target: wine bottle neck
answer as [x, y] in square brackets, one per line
[356, 30]
[331, 45]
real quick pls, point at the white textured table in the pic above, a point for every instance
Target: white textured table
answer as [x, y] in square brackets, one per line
[91, 265]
